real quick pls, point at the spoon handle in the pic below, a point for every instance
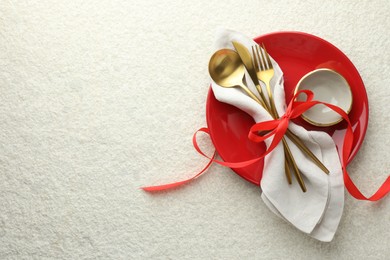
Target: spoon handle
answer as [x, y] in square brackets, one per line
[291, 161]
[253, 96]
[295, 139]
[287, 169]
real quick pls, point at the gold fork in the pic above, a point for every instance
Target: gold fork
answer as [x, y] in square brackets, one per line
[265, 72]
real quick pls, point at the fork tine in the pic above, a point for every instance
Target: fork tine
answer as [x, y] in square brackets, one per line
[255, 61]
[262, 57]
[259, 66]
[268, 58]
[259, 58]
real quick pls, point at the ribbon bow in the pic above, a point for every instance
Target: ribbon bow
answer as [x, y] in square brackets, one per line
[277, 128]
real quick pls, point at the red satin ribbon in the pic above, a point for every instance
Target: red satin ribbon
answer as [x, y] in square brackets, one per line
[277, 129]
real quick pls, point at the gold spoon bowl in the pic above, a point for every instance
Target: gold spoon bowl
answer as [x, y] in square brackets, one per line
[228, 71]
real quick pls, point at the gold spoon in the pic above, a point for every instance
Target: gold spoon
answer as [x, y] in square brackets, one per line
[227, 70]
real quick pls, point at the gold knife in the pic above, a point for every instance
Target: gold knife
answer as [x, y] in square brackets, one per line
[246, 59]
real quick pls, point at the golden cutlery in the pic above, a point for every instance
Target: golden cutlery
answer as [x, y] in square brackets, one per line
[246, 59]
[265, 72]
[249, 65]
[254, 74]
[227, 70]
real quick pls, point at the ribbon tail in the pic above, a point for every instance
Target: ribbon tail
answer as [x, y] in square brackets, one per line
[212, 159]
[383, 190]
[179, 183]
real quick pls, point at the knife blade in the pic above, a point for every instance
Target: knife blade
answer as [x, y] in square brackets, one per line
[246, 59]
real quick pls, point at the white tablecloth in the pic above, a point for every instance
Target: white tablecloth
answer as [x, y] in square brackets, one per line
[99, 98]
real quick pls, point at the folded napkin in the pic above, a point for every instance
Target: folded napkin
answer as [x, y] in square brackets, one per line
[316, 212]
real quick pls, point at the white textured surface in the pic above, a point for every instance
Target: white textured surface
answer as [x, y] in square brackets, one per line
[98, 98]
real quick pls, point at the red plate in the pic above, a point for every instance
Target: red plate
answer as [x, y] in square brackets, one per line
[297, 53]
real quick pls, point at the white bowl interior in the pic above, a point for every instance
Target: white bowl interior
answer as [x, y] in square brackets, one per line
[330, 87]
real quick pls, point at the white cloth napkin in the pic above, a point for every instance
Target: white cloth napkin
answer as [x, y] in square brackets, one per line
[316, 212]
